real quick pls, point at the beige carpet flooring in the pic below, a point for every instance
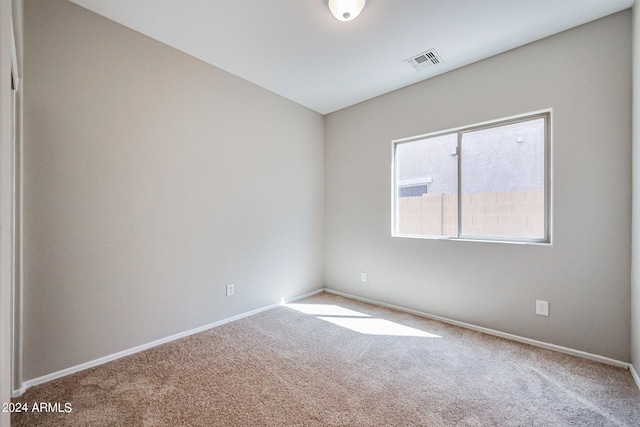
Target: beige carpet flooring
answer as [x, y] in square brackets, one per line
[332, 361]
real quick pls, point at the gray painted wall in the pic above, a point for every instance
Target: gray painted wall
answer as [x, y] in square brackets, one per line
[584, 274]
[151, 181]
[635, 272]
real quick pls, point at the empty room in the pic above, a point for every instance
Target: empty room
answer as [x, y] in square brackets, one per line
[319, 212]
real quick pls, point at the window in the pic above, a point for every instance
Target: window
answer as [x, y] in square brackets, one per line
[482, 182]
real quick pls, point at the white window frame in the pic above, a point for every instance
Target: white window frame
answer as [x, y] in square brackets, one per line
[546, 240]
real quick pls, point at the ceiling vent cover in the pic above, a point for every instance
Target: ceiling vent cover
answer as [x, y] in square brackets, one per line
[424, 60]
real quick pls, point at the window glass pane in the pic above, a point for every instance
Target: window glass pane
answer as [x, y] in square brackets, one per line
[502, 175]
[427, 186]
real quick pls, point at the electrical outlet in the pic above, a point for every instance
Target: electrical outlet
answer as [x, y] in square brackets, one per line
[230, 290]
[542, 308]
[363, 276]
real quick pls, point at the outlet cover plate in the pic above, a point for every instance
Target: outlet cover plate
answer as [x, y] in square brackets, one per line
[230, 290]
[542, 308]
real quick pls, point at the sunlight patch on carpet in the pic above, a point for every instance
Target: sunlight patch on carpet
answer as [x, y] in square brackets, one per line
[325, 310]
[359, 322]
[377, 327]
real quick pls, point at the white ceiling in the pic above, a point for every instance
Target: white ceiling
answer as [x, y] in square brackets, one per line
[297, 49]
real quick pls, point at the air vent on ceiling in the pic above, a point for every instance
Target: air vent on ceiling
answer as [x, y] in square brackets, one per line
[424, 60]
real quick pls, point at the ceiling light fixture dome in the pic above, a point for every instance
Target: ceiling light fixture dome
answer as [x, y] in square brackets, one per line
[346, 10]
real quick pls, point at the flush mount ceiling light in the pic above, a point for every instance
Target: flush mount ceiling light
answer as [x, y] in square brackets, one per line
[346, 10]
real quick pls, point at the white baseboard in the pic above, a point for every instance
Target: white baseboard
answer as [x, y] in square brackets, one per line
[512, 337]
[19, 392]
[635, 375]
[105, 359]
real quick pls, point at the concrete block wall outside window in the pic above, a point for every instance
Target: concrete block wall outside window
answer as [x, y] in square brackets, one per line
[511, 213]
